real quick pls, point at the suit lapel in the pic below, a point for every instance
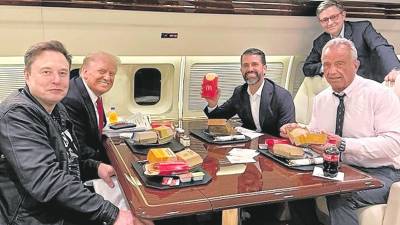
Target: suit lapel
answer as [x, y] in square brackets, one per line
[348, 32]
[325, 39]
[246, 103]
[88, 104]
[246, 107]
[265, 102]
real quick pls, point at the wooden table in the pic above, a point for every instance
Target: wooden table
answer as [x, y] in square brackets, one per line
[262, 182]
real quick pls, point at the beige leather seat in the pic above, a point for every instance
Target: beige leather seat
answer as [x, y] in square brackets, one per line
[303, 100]
[383, 214]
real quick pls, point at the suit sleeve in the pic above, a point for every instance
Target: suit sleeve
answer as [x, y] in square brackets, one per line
[385, 51]
[226, 110]
[286, 109]
[312, 65]
[25, 144]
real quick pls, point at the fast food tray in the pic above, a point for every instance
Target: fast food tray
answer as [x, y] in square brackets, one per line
[203, 135]
[174, 145]
[155, 181]
[284, 161]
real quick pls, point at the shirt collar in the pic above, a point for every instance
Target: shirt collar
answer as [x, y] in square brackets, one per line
[92, 95]
[341, 34]
[351, 87]
[258, 92]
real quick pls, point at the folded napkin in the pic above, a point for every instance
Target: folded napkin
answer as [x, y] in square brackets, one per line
[113, 195]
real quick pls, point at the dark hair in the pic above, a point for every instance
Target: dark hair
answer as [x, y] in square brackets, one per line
[254, 51]
[328, 3]
[40, 47]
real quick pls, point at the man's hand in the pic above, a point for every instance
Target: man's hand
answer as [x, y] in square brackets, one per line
[212, 102]
[333, 139]
[105, 172]
[287, 127]
[391, 76]
[126, 218]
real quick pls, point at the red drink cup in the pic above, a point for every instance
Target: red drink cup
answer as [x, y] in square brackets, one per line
[209, 87]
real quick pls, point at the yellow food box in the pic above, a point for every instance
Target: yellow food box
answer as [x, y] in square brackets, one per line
[160, 154]
[220, 127]
[301, 136]
[190, 157]
[164, 131]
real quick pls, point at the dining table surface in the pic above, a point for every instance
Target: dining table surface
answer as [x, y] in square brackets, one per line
[231, 186]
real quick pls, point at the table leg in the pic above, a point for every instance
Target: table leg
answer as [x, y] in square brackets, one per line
[230, 216]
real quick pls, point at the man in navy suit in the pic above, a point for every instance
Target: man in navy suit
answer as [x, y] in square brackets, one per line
[261, 104]
[84, 103]
[377, 57]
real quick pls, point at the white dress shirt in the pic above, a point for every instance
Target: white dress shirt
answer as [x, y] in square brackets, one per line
[93, 98]
[254, 105]
[371, 126]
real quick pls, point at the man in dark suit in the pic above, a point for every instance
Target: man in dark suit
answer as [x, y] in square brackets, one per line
[84, 103]
[261, 104]
[375, 54]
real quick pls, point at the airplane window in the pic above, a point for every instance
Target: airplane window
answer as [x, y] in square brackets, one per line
[147, 86]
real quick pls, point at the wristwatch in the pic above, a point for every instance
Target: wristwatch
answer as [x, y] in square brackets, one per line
[342, 145]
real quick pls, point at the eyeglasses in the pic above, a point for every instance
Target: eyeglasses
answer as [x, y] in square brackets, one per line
[332, 18]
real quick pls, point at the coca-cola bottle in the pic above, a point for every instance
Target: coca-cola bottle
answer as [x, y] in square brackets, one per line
[331, 161]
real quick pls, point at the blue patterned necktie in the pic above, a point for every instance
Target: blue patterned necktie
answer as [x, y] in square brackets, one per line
[339, 115]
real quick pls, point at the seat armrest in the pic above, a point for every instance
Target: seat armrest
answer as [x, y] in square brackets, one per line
[392, 213]
[371, 215]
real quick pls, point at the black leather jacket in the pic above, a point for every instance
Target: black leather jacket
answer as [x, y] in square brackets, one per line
[36, 186]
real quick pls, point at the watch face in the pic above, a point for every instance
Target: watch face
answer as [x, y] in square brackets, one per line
[342, 145]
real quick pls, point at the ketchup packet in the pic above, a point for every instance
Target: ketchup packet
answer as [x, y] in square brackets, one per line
[171, 168]
[271, 141]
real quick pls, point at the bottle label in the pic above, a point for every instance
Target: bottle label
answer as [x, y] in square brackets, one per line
[331, 157]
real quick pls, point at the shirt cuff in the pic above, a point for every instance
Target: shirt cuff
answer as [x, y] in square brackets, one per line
[211, 109]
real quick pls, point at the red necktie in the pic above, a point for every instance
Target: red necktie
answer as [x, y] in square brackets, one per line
[100, 111]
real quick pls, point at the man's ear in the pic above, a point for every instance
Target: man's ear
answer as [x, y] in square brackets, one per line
[356, 64]
[26, 74]
[344, 15]
[83, 73]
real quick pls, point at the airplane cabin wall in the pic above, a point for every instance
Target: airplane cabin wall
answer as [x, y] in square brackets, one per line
[137, 34]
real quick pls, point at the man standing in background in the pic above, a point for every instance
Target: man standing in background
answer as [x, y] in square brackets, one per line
[377, 57]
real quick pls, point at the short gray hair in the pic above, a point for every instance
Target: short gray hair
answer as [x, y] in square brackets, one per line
[341, 41]
[328, 3]
[40, 47]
